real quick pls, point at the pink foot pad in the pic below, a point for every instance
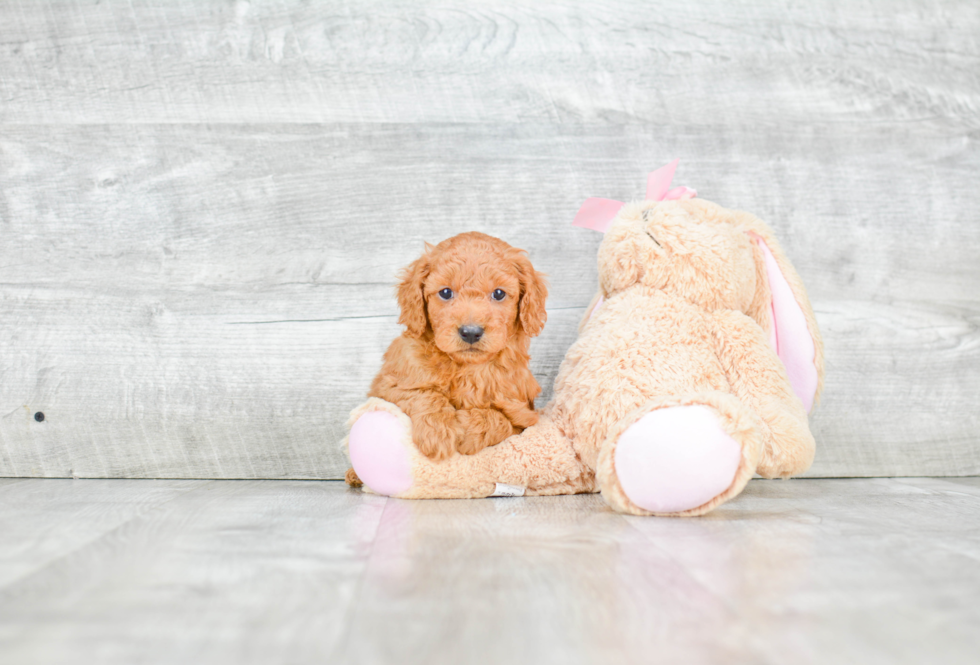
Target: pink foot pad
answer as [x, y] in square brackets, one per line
[378, 454]
[675, 459]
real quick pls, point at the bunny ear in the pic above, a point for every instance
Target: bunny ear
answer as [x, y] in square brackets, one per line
[793, 329]
[597, 214]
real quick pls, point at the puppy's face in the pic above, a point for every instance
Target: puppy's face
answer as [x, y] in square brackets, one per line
[475, 293]
[472, 306]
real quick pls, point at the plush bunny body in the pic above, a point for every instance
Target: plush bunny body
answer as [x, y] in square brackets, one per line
[690, 373]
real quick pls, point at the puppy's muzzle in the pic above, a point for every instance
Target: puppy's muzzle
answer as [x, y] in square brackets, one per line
[471, 334]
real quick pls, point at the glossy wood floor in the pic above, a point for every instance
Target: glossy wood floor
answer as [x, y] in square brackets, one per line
[803, 571]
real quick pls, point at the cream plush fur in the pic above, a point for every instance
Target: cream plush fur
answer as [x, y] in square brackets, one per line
[685, 319]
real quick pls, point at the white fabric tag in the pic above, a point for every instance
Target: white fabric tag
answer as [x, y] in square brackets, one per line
[502, 489]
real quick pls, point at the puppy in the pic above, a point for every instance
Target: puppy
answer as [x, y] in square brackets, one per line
[470, 306]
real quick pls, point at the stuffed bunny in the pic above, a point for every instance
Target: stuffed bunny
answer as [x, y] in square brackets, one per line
[695, 368]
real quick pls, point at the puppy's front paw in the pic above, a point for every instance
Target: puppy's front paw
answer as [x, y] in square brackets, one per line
[521, 416]
[525, 418]
[482, 428]
[519, 413]
[436, 434]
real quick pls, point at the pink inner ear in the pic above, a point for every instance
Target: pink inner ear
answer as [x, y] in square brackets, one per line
[790, 335]
[598, 304]
[773, 342]
[597, 214]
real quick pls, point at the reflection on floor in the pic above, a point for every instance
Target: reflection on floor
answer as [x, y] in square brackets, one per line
[166, 571]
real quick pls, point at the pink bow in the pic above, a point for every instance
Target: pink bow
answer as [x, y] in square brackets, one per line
[598, 214]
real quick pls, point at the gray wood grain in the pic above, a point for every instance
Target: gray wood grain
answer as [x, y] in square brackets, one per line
[398, 61]
[860, 570]
[193, 577]
[45, 522]
[204, 206]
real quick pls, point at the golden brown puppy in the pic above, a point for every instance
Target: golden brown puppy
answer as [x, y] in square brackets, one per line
[470, 306]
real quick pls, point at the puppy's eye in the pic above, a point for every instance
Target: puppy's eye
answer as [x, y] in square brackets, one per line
[498, 294]
[653, 239]
[446, 294]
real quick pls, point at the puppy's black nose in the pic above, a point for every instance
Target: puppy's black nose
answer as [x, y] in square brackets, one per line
[471, 334]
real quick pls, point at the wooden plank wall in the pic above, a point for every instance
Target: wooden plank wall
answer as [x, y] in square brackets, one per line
[203, 205]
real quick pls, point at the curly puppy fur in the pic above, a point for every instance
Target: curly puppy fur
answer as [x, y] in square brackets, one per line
[463, 395]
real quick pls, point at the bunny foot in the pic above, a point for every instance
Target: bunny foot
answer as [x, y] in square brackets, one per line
[540, 460]
[380, 435]
[684, 458]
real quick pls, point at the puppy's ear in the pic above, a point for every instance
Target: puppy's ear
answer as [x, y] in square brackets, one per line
[534, 291]
[411, 295]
